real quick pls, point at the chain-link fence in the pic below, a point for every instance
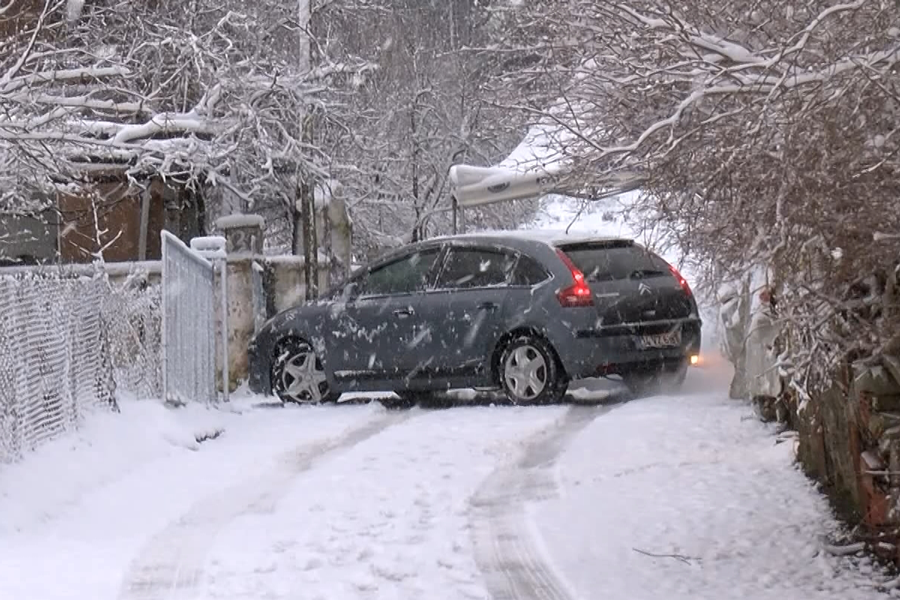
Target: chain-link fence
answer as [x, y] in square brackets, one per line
[71, 337]
[132, 314]
[68, 339]
[54, 358]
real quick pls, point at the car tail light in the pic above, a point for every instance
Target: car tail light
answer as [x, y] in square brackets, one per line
[681, 281]
[577, 294]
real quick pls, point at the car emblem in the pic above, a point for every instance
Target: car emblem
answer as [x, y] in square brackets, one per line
[644, 288]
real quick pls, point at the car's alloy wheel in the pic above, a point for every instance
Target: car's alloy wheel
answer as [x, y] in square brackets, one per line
[298, 375]
[529, 373]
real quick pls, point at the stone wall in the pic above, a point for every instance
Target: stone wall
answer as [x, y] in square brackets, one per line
[849, 441]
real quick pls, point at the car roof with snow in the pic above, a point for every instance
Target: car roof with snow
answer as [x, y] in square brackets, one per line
[552, 237]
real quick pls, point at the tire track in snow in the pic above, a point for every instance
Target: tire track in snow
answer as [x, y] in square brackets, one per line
[505, 551]
[170, 566]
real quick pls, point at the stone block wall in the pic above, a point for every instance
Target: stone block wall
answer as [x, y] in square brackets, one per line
[849, 441]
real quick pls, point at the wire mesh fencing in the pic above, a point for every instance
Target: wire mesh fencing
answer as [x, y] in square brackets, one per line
[70, 338]
[132, 315]
[55, 360]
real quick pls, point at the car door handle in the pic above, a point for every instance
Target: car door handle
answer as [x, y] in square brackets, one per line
[404, 312]
[488, 306]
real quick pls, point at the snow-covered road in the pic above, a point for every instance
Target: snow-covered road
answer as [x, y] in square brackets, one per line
[668, 497]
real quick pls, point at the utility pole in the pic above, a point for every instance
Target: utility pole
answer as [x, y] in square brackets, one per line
[306, 201]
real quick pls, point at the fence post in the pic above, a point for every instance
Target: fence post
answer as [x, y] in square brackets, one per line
[164, 308]
[226, 372]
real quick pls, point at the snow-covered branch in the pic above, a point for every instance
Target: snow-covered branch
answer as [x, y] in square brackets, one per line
[766, 141]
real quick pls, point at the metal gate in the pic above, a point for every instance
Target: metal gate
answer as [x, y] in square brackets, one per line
[188, 340]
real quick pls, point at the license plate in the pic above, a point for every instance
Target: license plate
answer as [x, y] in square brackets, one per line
[662, 340]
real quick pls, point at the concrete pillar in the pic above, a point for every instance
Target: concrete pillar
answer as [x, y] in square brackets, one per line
[340, 235]
[244, 237]
[259, 285]
[244, 234]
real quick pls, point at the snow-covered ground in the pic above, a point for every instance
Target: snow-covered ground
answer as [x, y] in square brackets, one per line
[76, 513]
[693, 499]
[482, 501]
[682, 496]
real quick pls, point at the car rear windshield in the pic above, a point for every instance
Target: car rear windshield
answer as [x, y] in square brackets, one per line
[609, 261]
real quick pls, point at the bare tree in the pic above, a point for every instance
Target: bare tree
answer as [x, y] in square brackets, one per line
[766, 136]
[207, 94]
[424, 109]
[253, 107]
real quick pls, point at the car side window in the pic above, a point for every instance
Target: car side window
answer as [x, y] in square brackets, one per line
[403, 276]
[467, 268]
[528, 272]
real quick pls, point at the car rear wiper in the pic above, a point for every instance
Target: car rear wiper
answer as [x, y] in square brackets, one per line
[641, 273]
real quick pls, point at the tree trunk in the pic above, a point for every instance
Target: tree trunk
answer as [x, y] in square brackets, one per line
[306, 200]
[414, 166]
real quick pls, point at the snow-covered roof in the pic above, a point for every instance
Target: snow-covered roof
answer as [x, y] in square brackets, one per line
[231, 221]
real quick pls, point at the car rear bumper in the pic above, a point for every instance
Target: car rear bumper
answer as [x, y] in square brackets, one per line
[618, 350]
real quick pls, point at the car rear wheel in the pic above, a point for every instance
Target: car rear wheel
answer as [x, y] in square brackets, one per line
[298, 375]
[529, 372]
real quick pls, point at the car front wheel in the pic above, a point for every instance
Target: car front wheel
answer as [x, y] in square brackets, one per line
[529, 373]
[298, 375]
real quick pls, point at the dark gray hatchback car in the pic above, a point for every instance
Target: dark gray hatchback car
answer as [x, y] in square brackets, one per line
[525, 312]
